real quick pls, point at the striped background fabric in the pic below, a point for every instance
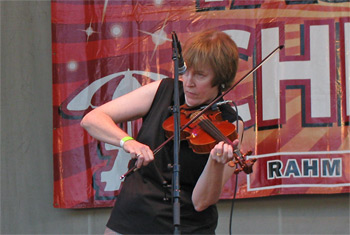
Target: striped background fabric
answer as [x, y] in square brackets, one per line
[296, 107]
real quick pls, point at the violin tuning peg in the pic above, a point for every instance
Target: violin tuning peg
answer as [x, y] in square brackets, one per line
[253, 160]
[249, 153]
[231, 163]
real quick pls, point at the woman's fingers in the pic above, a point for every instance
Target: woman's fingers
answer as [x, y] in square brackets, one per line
[141, 152]
[222, 152]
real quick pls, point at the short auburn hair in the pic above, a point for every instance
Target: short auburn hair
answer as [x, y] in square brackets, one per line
[216, 49]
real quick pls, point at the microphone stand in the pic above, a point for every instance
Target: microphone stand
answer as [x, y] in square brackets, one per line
[176, 166]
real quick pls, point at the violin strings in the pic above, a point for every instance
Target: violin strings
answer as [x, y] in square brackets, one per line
[211, 129]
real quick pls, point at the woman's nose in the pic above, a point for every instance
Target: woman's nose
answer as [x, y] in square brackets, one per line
[188, 77]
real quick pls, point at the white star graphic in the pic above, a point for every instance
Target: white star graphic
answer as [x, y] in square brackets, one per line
[159, 37]
[89, 31]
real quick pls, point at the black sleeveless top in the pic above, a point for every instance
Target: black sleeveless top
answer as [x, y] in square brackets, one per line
[144, 204]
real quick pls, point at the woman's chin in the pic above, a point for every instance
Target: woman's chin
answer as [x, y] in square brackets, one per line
[191, 103]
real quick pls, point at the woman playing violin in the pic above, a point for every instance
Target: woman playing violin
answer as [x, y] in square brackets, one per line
[142, 205]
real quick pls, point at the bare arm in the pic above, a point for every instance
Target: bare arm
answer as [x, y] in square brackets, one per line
[101, 122]
[215, 174]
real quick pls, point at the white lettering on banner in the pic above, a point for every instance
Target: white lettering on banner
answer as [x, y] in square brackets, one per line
[242, 38]
[329, 168]
[317, 69]
[120, 166]
[82, 101]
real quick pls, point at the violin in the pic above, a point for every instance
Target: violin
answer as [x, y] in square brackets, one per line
[206, 131]
[199, 133]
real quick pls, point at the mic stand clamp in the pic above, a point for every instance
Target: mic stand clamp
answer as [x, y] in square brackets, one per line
[166, 187]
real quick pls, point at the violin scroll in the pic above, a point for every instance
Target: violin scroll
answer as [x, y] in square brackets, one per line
[244, 165]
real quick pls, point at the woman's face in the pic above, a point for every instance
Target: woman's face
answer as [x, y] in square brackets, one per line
[197, 86]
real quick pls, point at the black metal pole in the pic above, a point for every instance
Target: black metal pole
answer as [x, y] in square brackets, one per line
[176, 166]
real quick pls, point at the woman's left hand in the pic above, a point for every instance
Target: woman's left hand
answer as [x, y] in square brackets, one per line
[223, 152]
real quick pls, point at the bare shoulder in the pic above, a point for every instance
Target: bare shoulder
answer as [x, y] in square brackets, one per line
[132, 105]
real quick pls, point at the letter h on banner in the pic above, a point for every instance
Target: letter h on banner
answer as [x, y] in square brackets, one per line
[314, 71]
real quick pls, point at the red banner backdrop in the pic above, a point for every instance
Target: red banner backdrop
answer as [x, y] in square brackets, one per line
[296, 107]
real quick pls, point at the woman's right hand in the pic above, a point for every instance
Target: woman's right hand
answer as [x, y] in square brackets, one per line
[139, 151]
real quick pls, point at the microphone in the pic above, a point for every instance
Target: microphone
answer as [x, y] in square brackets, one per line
[182, 64]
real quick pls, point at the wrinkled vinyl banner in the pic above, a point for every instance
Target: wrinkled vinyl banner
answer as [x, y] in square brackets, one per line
[296, 107]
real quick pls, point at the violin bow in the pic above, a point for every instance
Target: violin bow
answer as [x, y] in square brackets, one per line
[209, 106]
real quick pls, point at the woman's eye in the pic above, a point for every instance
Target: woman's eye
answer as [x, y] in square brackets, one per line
[200, 74]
